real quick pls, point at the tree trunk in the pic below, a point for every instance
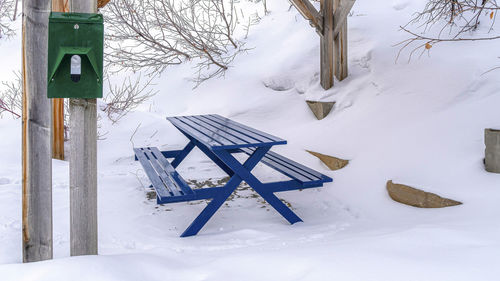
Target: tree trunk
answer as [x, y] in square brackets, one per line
[36, 151]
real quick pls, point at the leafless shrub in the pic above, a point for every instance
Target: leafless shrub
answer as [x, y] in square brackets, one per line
[11, 96]
[154, 34]
[8, 11]
[455, 20]
[123, 98]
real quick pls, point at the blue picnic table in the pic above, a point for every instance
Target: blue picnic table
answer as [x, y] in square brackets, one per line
[219, 138]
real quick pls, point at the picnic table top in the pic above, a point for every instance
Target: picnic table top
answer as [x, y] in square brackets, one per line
[217, 132]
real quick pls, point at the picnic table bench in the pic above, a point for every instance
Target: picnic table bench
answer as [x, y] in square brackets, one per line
[219, 138]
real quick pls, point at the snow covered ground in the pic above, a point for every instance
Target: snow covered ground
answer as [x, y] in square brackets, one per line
[418, 123]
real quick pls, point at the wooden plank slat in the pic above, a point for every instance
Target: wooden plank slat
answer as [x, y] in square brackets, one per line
[208, 142]
[222, 141]
[240, 133]
[171, 171]
[241, 127]
[218, 133]
[299, 166]
[227, 132]
[281, 160]
[158, 185]
[217, 139]
[171, 185]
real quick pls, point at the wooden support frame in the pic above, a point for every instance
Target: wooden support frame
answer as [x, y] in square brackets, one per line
[308, 11]
[58, 104]
[83, 164]
[36, 139]
[331, 24]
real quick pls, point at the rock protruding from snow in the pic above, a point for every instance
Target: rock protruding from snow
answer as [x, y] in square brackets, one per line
[319, 108]
[492, 151]
[333, 163]
[417, 198]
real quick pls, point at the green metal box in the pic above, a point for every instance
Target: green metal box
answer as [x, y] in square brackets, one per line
[75, 59]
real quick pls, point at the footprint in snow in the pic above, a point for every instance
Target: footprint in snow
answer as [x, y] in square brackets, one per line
[399, 5]
[4, 181]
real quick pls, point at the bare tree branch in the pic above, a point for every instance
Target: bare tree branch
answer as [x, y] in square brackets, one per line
[155, 34]
[456, 20]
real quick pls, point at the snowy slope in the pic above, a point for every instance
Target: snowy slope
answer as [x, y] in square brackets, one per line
[419, 123]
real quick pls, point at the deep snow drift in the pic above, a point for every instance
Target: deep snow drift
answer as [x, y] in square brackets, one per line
[418, 123]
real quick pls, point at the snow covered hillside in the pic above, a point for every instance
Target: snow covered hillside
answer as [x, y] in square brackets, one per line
[419, 123]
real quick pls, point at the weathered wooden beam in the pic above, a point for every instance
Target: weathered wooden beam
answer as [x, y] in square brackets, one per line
[340, 15]
[326, 45]
[342, 8]
[83, 164]
[309, 12]
[36, 141]
[58, 104]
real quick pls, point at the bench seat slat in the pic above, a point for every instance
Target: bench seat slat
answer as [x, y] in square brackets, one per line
[281, 168]
[290, 162]
[291, 168]
[171, 171]
[172, 186]
[158, 185]
[168, 184]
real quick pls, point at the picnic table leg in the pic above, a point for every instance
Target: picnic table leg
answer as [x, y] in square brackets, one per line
[258, 186]
[184, 152]
[208, 153]
[211, 208]
[220, 198]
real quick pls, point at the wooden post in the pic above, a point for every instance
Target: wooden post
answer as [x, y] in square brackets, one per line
[58, 104]
[36, 143]
[331, 25]
[340, 43]
[326, 45]
[83, 164]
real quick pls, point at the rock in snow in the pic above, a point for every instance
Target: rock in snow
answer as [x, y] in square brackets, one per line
[319, 108]
[333, 163]
[417, 198]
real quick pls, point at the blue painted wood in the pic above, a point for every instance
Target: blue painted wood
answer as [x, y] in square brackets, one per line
[291, 168]
[243, 128]
[158, 185]
[169, 186]
[268, 195]
[172, 173]
[209, 153]
[239, 135]
[219, 137]
[170, 153]
[184, 152]
[294, 174]
[229, 188]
